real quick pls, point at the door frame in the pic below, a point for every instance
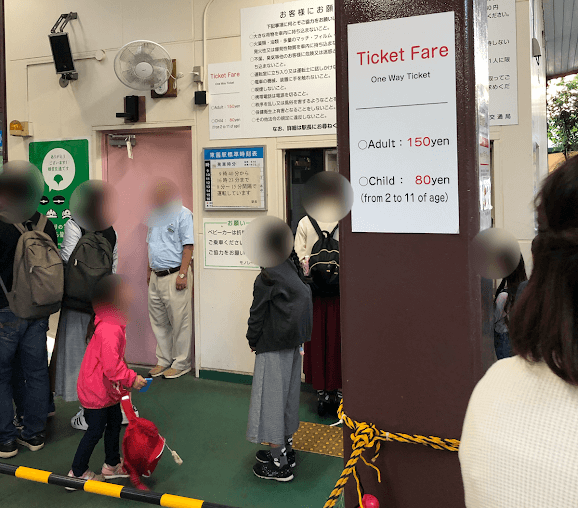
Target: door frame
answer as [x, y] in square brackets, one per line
[98, 173]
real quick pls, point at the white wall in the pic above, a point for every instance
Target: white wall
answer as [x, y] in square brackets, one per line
[89, 105]
[514, 169]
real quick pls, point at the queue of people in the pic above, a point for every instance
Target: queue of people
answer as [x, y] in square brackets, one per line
[27, 383]
[517, 445]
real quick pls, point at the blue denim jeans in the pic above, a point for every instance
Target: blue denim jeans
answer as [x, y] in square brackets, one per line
[502, 345]
[23, 346]
[19, 390]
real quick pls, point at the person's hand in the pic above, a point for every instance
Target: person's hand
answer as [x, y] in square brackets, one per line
[253, 349]
[139, 382]
[181, 283]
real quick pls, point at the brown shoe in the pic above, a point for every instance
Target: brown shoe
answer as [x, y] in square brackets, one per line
[174, 373]
[157, 371]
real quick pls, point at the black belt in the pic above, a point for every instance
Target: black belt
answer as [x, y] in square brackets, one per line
[163, 273]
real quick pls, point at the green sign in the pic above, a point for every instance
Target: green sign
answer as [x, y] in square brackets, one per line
[64, 165]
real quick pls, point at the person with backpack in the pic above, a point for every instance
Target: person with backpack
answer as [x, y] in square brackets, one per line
[32, 280]
[317, 246]
[280, 322]
[103, 374]
[89, 256]
[504, 299]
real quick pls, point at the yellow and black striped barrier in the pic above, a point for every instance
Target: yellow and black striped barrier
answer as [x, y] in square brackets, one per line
[106, 489]
[364, 437]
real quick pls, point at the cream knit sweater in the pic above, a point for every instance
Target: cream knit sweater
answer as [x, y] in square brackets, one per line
[306, 236]
[519, 444]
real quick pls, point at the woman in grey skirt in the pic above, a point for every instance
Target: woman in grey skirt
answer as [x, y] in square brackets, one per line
[280, 322]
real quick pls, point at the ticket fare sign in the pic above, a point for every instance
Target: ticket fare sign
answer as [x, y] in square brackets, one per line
[402, 117]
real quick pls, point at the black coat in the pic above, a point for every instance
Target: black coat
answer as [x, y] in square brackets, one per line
[281, 316]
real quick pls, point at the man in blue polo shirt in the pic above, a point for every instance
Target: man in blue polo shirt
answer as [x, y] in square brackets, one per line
[170, 280]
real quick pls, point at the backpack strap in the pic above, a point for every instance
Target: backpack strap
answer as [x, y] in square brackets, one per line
[41, 223]
[126, 404]
[315, 226]
[20, 227]
[4, 288]
[334, 230]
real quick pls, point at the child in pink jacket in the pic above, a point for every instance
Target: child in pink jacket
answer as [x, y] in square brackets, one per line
[102, 374]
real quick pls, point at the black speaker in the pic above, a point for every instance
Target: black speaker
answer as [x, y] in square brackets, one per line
[130, 109]
[61, 53]
[201, 98]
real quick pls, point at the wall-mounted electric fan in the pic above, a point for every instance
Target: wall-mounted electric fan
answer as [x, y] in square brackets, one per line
[144, 65]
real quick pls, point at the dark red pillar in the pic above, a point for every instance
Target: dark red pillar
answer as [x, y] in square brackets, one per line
[416, 318]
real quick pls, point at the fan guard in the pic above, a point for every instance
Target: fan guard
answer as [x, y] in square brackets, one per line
[143, 65]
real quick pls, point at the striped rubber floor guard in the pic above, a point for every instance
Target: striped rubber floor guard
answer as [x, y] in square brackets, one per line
[106, 489]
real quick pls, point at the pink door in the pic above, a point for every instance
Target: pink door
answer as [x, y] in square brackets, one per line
[159, 153]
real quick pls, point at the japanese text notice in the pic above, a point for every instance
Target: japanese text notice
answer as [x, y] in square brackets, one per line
[502, 62]
[288, 74]
[222, 244]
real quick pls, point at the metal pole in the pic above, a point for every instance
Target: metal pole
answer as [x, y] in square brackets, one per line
[106, 489]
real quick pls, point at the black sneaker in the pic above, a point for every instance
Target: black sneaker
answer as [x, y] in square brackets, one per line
[33, 444]
[265, 456]
[270, 471]
[323, 403]
[8, 449]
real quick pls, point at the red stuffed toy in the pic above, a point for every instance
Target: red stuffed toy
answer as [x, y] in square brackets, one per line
[142, 446]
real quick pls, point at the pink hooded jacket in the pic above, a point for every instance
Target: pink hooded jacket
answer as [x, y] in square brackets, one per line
[103, 368]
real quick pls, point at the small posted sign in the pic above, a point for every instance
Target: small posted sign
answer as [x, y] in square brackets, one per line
[223, 246]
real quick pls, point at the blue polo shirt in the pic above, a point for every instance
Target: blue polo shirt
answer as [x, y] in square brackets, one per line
[165, 243]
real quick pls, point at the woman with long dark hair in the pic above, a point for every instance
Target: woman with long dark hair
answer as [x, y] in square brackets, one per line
[503, 302]
[518, 444]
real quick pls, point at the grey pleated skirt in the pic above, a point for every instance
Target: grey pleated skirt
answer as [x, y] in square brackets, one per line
[72, 328]
[274, 409]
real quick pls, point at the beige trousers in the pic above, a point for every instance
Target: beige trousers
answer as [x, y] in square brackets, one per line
[171, 316]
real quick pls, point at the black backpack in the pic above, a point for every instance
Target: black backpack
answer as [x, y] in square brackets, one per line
[324, 262]
[90, 261]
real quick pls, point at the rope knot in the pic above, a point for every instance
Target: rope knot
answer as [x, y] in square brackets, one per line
[364, 435]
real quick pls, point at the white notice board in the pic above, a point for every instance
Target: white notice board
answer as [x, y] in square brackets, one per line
[288, 69]
[222, 244]
[235, 178]
[503, 65]
[402, 125]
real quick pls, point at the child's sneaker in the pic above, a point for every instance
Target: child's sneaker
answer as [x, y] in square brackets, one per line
[88, 475]
[265, 456]
[270, 471]
[78, 421]
[118, 471]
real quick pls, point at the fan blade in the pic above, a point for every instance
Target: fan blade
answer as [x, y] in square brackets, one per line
[163, 62]
[129, 76]
[127, 57]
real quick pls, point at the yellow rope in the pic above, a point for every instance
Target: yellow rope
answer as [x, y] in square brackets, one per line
[364, 437]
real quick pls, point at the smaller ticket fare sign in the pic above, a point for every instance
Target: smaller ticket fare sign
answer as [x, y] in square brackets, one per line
[402, 118]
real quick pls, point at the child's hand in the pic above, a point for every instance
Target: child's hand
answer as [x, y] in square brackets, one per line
[139, 382]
